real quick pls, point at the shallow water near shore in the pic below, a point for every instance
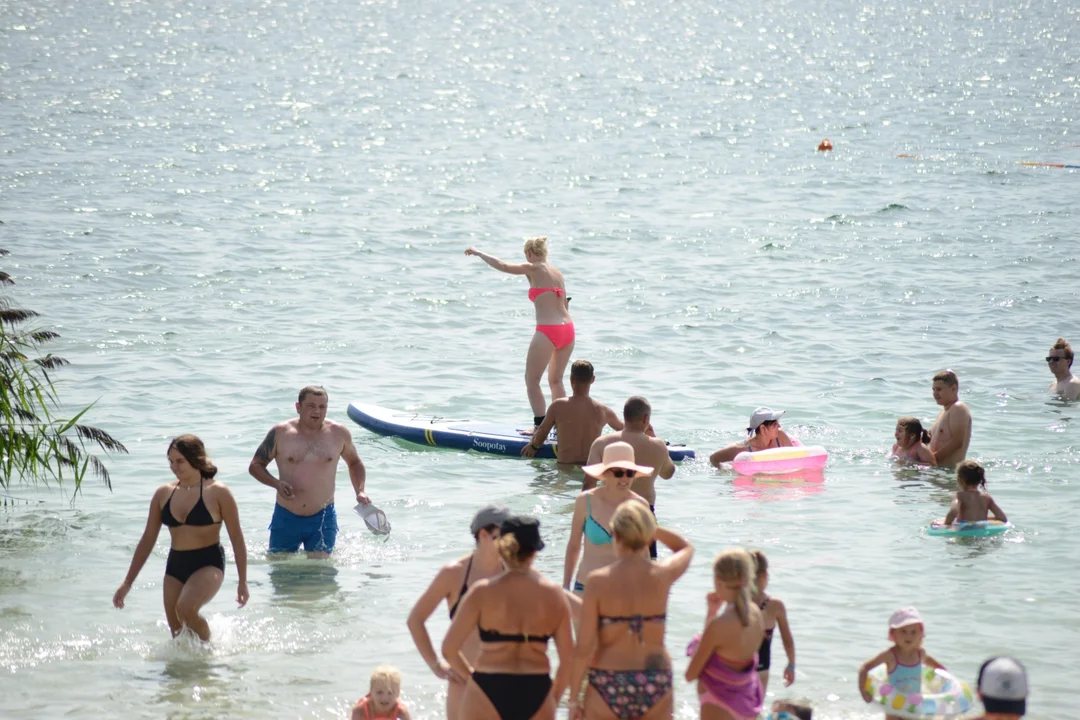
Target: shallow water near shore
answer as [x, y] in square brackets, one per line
[216, 205]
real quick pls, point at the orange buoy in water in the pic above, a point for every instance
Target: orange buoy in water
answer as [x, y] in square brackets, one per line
[824, 145]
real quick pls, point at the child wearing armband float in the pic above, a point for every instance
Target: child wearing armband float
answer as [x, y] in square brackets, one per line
[972, 503]
[912, 442]
[904, 660]
[381, 702]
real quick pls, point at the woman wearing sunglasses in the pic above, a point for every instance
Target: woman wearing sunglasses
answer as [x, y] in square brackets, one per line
[594, 509]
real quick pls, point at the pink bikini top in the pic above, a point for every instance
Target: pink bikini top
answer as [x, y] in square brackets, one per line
[537, 292]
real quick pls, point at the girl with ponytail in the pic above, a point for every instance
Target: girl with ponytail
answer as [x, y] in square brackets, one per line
[912, 442]
[724, 658]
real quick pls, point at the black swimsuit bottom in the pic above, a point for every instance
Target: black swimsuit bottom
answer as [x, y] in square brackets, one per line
[182, 564]
[515, 697]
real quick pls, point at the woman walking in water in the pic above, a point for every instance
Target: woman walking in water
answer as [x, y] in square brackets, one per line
[452, 582]
[594, 510]
[621, 636]
[195, 568]
[553, 342]
[516, 614]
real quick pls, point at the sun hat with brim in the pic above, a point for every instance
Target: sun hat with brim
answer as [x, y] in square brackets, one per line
[616, 455]
[904, 617]
[1003, 686]
[764, 414]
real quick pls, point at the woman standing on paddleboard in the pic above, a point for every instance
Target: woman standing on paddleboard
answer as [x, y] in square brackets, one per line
[553, 342]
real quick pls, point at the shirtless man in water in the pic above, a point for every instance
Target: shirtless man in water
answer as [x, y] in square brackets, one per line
[951, 434]
[1060, 360]
[649, 450]
[578, 419]
[307, 450]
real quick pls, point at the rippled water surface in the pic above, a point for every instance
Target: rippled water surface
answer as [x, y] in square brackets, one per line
[216, 204]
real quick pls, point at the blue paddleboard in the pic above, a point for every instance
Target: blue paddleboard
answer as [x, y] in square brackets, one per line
[437, 431]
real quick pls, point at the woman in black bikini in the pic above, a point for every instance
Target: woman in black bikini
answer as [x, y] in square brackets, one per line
[196, 565]
[621, 634]
[451, 584]
[516, 613]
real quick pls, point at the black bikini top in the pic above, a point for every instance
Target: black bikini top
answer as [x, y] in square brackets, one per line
[496, 636]
[464, 588]
[199, 515]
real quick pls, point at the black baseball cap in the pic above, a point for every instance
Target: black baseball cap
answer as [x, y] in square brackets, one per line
[526, 530]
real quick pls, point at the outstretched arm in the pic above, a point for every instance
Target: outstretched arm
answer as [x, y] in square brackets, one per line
[501, 266]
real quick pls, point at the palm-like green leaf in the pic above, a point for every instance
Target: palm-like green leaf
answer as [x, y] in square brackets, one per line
[34, 443]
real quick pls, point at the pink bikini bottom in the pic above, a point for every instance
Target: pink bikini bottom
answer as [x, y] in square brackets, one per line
[559, 335]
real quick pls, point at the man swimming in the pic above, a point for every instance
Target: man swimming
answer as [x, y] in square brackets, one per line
[1060, 359]
[578, 419]
[951, 435]
[307, 449]
[648, 450]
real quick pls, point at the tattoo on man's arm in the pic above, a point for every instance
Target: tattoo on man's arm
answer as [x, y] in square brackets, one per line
[266, 450]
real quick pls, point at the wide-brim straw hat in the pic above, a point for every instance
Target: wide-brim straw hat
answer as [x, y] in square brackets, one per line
[616, 455]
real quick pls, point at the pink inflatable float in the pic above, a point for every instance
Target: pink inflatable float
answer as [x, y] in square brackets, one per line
[777, 461]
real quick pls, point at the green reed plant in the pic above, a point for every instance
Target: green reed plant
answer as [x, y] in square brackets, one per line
[36, 444]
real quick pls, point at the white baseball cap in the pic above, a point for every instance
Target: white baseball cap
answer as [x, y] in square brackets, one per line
[1003, 686]
[764, 414]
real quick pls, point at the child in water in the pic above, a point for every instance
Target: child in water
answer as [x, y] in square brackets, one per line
[787, 710]
[912, 442]
[381, 702]
[774, 614]
[971, 503]
[904, 660]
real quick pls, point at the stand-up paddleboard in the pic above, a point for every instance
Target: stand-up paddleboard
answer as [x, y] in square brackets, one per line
[436, 431]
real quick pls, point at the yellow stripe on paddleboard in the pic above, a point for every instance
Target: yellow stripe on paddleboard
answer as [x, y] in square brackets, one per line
[429, 436]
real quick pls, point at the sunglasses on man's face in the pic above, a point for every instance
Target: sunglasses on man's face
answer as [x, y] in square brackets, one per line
[1051, 358]
[621, 473]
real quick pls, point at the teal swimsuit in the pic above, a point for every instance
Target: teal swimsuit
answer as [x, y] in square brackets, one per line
[594, 533]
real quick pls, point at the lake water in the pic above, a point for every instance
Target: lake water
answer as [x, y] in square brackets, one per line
[217, 203]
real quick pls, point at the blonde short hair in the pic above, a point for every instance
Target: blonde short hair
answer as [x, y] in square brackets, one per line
[537, 246]
[388, 674]
[633, 524]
